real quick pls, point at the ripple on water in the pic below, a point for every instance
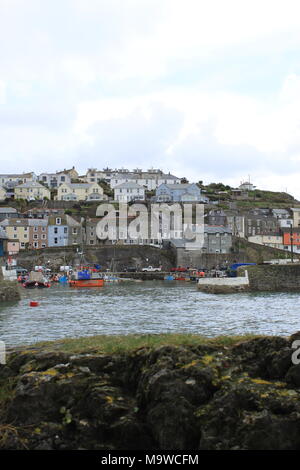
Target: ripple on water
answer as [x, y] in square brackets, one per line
[148, 307]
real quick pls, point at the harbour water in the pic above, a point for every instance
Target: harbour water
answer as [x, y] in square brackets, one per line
[143, 308]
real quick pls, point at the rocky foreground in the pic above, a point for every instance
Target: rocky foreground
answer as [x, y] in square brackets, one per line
[246, 396]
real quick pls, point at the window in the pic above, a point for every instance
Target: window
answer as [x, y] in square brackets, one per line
[36, 244]
[43, 245]
[35, 237]
[58, 220]
[43, 237]
[25, 235]
[55, 229]
[55, 241]
[65, 229]
[74, 231]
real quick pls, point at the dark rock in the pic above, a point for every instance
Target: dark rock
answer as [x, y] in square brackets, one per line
[178, 398]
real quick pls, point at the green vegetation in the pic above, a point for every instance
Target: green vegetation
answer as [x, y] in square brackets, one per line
[213, 187]
[126, 343]
[106, 188]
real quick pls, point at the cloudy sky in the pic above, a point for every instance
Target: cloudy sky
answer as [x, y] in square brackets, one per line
[209, 90]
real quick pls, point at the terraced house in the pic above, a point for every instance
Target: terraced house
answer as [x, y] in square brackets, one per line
[150, 179]
[80, 192]
[3, 193]
[30, 233]
[17, 178]
[64, 230]
[53, 180]
[127, 192]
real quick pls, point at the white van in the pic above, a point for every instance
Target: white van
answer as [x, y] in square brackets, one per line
[65, 268]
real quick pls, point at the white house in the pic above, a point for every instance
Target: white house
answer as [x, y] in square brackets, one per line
[151, 178]
[53, 180]
[127, 192]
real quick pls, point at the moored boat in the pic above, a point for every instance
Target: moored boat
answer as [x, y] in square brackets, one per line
[86, 279]
[36, 280]
[86, 282]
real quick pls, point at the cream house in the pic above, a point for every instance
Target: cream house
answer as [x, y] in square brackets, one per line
[32, 190]
[2, 193]
[273, 240]
[80, 192]
[296, 217]
[17, 178]
[17, 230]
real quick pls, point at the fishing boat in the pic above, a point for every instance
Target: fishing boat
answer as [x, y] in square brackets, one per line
[36, 280]
[86, 282]
[86, 279]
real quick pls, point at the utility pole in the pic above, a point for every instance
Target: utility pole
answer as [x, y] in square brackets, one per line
[292, 239]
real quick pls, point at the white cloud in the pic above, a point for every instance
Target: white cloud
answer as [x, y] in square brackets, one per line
[210, 90]
[2, 92]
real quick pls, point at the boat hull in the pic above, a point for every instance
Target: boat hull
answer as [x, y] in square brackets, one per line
[34, 285]
[86, 283]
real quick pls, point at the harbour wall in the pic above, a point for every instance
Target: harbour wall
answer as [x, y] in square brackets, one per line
[273, 278]
[9, 290]
[224, 285]
[113, 257]
[242, 252]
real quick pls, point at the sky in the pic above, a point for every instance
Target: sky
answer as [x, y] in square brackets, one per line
[206, 90]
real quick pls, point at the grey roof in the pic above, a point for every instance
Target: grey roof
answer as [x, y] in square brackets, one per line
[31, 184]
[129, 185]
[216, 229]
[178, 242]
[79, 185]
[71, 221]
[280, 211]
[38, 222]
[16, 175]
[7, 210]
[14, 221]
[181, 187]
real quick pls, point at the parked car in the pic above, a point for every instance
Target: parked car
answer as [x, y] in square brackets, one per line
[65, 268]
[20, 271]
[130, 269]
[151, 269]
[179, 270]
[42, 269]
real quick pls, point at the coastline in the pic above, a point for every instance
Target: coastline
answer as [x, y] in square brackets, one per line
[152, 392]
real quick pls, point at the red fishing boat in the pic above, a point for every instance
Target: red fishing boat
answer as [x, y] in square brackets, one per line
[86, 279]
[86, 282]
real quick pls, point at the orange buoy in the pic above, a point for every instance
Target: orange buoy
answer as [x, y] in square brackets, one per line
[34, 304]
